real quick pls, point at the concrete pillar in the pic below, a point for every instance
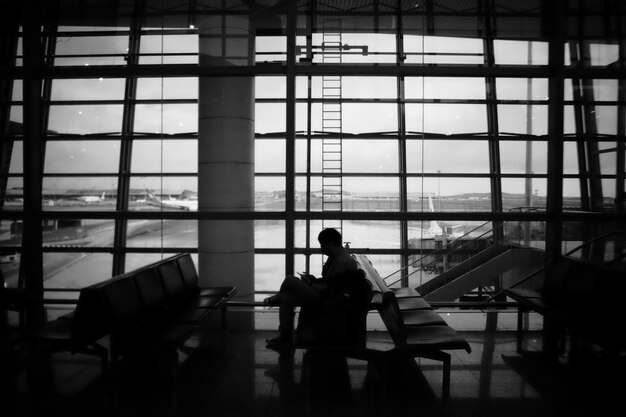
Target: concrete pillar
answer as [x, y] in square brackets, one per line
[226, 154]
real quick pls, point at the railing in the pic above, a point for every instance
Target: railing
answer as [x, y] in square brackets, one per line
[595, 248]
[604, 237]
[450, 248]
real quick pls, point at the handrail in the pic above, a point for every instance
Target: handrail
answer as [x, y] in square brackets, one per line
[526, 278]
[616, 232]
[439, 250]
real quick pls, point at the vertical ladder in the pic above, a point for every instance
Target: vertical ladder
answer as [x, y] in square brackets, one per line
[332, 187]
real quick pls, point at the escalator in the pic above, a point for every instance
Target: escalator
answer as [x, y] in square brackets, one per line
[482, 269]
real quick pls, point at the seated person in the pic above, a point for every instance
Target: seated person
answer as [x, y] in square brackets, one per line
[309, 291]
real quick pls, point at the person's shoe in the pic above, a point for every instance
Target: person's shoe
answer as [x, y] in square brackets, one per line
[280, 343]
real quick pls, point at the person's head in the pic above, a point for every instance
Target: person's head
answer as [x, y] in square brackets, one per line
[330, 240]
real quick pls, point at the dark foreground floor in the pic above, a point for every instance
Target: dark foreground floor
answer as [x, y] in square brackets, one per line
[231, 373]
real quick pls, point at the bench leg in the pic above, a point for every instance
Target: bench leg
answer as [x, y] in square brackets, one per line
[172, 358]
[445, 387]
[445, 359]
[520, 328]
[223, 317]
[377, 370]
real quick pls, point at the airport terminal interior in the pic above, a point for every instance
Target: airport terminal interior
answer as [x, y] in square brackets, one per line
[470, 152]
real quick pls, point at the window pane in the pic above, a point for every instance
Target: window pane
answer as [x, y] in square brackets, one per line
[10, 235]
[514, 119]
[75, 270]
[371, 194]
[606, 119]
[269, 194]
[176, 193]
[270, 87]
[605, 90]
[570, 158]
[88, 89]
[268, 272]
[86, 118]
[608, 160]
[75, 46]
[16, 166]
[442, 50]
[17, 118]
[446, 119]
[18, 90]
[603, 54]
[362, 87]
[82, 157]
[517, 88]
[79, 192]
[459, 194]
[269, 234]
[447, 156]
[569, 121]
[372, 234]
[167, 156]
[269, 155]
[301, 155]
[444, 88]
[162, 233]
[14, 195]
[270, 118]
[167, 88]
[375, 156]
[369, 117]
[520, 52]
[79, 232]
[515, 193]
[514, 157]
[166, 118]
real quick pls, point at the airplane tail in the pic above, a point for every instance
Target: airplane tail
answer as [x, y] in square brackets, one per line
[434, 228]
[152, 198]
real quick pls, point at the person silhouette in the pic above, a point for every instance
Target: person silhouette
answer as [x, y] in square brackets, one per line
[309, 291]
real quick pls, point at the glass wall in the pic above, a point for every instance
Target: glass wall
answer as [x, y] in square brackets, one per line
[405, 125]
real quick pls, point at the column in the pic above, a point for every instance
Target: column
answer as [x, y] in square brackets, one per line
[226, 154]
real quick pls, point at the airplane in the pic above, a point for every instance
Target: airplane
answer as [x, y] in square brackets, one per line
[436, 229]
[186, 205]
[90, 199]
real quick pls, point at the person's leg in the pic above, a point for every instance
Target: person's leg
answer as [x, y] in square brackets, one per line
[293, 293]
[274, 300]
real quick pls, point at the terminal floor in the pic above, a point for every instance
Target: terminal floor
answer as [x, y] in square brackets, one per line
[231, 373]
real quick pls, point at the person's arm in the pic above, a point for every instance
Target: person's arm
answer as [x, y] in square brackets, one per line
[307, 278]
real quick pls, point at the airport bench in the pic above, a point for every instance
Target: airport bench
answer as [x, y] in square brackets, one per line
[416, 332]
[80, 331]
[154, 308]
[412, 333]
[158, 306]
[414, 309]
[576, 297]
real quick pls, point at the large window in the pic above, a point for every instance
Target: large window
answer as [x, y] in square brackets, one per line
[405, 126]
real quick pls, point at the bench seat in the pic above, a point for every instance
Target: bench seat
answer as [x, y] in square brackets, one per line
[421, 318]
